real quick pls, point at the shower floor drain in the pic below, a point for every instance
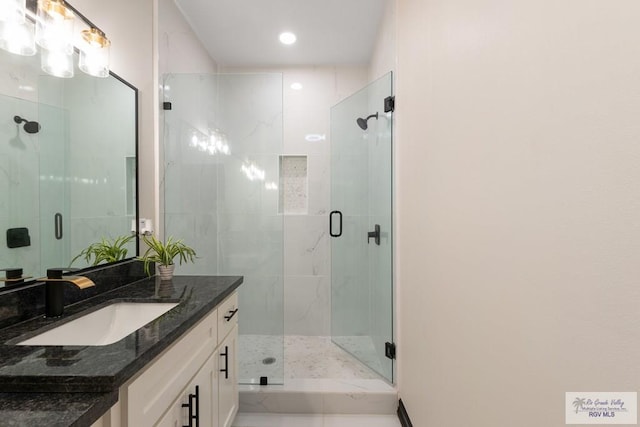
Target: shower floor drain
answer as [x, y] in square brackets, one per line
[268, 360]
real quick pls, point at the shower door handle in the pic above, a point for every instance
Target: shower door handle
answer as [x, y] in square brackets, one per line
[331, 223]
[375, 235]
[57, 223]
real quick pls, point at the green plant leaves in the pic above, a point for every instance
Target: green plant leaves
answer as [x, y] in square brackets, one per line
[106, 250]
[164, 253]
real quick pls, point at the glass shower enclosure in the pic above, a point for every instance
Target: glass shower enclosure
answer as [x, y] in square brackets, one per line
[361, 226]
[222, 140]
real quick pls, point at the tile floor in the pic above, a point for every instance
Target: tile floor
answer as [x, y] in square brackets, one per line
[326, 420]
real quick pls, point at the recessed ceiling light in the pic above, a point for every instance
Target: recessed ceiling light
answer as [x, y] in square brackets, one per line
[287, 38]
[296, 86]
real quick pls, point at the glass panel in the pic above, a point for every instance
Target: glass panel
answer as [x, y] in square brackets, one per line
[222, 141]
[88, 128]
[361, 179]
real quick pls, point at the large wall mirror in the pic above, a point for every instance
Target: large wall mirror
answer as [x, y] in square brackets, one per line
[68, 166]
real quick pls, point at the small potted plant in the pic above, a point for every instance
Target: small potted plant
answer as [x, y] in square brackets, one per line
[106, 250]
[163, 255]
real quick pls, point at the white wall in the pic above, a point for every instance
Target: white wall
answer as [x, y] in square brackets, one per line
[179, 49]
[518, 207]
[384, 55]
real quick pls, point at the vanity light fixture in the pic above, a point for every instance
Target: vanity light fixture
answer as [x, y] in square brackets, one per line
[296, 86]
[287, 38]
[94, 56]
[54, 26]
[57, 63]
[16, 32]
[51, 26]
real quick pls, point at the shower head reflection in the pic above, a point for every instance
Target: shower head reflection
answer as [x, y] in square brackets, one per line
[29, 126]
[363, 122]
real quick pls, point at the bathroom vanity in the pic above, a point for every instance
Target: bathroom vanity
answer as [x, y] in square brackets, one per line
[182, 364]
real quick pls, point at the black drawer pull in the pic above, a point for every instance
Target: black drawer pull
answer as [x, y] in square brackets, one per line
[194, 408]
[231, 314]
[226, 362]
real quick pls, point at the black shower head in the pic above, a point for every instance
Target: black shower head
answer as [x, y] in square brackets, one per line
[363, 122]
[29, 127]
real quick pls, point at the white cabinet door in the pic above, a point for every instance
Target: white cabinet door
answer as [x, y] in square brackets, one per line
[198, 402]
[150, 394]
[228, 378]
[173, 417]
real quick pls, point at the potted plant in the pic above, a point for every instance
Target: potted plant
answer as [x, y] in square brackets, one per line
[106, 250]
[163, 254]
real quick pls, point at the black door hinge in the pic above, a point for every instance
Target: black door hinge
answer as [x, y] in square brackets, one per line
[390, 350]
[389, 104]
[166, 106]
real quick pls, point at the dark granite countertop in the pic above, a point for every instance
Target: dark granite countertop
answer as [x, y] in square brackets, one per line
[80, 382]
[54, 409]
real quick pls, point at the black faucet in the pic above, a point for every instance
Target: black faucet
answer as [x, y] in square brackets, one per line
[54, 289]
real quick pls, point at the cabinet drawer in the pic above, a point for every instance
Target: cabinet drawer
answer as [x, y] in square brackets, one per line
[227, 315]
[150, 394]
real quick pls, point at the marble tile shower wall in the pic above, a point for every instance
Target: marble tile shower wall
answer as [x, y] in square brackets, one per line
[214, 200]
[307, 258]
[190, 179]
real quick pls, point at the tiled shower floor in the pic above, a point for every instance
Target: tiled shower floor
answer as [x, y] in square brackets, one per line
[316, 378]
[305, 357]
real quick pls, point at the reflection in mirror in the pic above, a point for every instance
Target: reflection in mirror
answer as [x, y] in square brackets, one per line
[67, 168]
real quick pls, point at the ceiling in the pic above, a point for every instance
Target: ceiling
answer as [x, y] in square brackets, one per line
[245, 32]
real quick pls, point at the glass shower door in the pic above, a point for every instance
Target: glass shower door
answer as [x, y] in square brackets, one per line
[361, 225]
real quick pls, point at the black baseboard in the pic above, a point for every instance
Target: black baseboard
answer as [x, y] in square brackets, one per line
[403, 416]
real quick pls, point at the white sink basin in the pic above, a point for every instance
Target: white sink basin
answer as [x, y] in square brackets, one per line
[104, 326]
